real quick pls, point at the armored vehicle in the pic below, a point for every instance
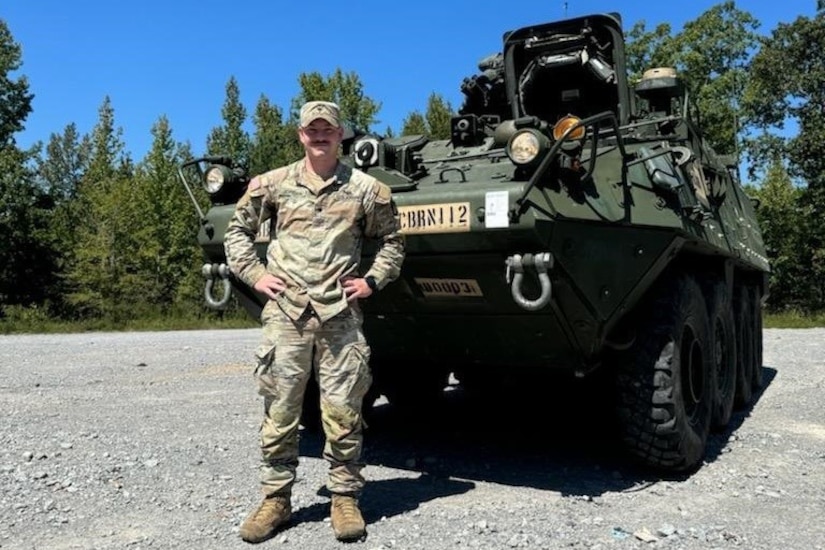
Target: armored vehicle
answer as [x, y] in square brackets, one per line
[574, 221]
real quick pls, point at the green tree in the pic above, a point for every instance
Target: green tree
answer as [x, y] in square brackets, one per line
[273, 143]
[107, 154]
[169, 257]
[715, 51]
[346, 89]
[648, 49]
[435, 122]
[439, 114]
[64, 164]
[59, 172]
[711, 53]
[414, 124]
[28, 264]
[785, 86]
[28, 260]
[15, 99]
[230, 138]
[783, 229]
[104, 275]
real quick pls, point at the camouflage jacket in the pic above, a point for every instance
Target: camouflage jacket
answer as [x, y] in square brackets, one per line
[317, 232]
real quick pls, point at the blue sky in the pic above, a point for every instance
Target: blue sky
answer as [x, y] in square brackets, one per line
[174, 58]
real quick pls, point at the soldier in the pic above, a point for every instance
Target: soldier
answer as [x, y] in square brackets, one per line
[320, 210]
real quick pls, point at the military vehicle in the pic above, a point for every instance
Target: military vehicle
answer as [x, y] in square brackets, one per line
[574, 221]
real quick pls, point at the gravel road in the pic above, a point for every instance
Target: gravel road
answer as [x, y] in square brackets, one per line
[148, 440]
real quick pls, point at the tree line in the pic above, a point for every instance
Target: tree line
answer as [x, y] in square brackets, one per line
[88, 233]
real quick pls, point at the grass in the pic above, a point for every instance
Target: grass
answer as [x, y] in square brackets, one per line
[30, 320]
[793, 319]
[138, 325]
[33, 321]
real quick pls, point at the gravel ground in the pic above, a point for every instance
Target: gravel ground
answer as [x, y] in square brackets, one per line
[148, 440]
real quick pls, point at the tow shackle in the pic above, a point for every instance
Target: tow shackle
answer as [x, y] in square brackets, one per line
[211, 272]
[516, 265]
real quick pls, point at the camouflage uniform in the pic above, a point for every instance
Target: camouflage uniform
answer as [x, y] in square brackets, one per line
[318, 228]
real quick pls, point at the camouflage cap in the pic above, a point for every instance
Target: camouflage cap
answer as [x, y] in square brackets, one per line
[320, 109]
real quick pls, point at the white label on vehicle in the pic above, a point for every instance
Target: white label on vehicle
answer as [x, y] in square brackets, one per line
[496, 209]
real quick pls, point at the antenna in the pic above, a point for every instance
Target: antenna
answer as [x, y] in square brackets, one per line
[565, 9]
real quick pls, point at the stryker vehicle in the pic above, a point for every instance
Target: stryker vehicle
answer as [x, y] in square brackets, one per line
[574, 221]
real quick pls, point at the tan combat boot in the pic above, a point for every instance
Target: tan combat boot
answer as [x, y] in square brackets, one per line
[347, 521]
[261, 524]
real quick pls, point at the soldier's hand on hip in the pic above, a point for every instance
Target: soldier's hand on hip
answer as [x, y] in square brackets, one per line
[270, 285]
[356, 287]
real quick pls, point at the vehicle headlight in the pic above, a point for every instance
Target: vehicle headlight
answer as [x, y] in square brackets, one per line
[525, 146]
[214, 179]
[565, 124]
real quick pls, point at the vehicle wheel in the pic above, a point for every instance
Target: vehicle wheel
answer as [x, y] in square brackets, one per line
[415, 390]
[744, 347]
[723, 348]
[477, 380]
[664, 391]
[758, 377]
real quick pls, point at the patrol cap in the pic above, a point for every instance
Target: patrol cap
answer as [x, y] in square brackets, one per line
[320, 109]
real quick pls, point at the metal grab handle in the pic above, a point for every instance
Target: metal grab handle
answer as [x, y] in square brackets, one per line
[453, 169]
[212, 272]
[542, 262]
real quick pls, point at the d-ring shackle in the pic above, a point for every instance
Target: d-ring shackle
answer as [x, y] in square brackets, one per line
[516, 265]
[212, 272]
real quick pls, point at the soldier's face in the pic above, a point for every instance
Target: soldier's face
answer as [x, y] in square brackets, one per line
[320, 138]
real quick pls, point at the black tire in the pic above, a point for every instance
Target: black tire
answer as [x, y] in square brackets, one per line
[664, 391]
[477, 380]
[414, 390]
[746, 362]
[758, 379]
[723, 349]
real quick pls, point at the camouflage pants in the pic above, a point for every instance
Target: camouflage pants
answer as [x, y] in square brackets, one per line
[338, 355]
